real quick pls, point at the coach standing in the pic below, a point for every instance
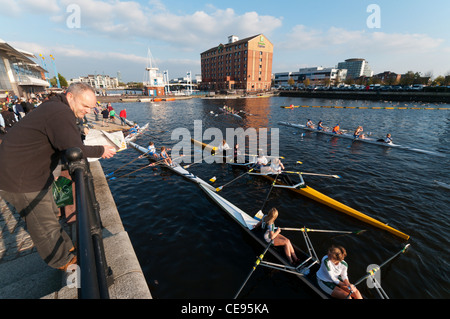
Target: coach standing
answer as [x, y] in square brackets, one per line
[29, 154]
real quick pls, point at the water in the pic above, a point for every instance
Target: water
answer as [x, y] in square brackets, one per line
[189, 248]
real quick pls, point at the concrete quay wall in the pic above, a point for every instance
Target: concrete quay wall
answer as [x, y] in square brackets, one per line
[23, 274]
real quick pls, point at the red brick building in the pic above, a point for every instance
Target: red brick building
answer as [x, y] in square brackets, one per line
[238, 65]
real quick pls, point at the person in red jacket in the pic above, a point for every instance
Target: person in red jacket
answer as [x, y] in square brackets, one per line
[123, 117]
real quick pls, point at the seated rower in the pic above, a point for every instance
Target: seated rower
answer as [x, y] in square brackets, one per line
[387, 139]
[332, 276]
[336, 129]
[359, 133]
[272, 233]
[320, 126]
[151, 150]
[134, 129]
[310, 124]
[261, 161]
[165, 156]
[236, 153]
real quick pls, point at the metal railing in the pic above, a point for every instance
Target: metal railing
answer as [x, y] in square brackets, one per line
[95, 275]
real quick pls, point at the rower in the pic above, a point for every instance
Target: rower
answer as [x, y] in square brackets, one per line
[261, 161]
[320, 126]
[151, 150]
[336, 129]
[134, 129]
[310, 124]
[165, 156]
[332, 275]
[387, 139]
[272, 233]
[236, 152]
[358, 133]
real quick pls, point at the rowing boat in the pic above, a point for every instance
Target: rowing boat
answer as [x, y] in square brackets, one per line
[248, 223]
[176, 168]
[133, 136]
[289, 106]
[229, 113]
[442, 184]
[303, 189]
[365, 140]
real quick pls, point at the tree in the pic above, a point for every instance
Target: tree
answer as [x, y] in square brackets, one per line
[62, 81]
[291, 81]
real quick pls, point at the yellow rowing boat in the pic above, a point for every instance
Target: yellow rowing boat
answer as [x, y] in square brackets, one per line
[326, 200]
[332, 203]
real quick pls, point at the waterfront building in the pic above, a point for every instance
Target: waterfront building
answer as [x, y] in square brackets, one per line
[154, 82]
[388, 77]
[356, 68]
[98, 81]
[244, 65]
[19, 74]
[315, 75]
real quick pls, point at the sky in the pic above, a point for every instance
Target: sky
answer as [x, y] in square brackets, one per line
[111, 36]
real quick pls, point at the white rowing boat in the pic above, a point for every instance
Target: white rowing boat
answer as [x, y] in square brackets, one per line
[176, 168]
[309, 263]
[365, 140]
[133, 136]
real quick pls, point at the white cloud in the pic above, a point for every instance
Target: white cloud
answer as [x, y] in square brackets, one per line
[302, 38]
[152, 21]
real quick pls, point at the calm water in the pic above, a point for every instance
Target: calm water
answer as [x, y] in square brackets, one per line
[189, 248]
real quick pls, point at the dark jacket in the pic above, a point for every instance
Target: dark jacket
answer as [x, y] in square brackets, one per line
[33, 146]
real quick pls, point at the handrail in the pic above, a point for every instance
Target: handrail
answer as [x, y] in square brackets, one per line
[90, 251]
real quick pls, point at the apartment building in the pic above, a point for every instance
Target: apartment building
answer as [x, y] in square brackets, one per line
[98, 81]
[238, 65]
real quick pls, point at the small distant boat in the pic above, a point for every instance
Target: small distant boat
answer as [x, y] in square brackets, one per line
[447, 186]
[289, 106]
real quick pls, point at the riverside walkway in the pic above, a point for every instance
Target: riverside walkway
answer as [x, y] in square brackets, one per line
[23, 274]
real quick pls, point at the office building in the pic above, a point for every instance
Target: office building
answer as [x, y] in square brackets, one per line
[356, 68]
[238, 65]
[315, 75]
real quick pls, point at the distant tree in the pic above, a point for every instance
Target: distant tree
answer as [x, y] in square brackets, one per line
[306, 82]
[62, 81]
[291, 81]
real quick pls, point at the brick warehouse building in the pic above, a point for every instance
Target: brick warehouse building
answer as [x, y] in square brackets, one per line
[238, 65]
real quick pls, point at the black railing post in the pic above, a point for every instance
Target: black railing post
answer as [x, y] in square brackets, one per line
[91, 261]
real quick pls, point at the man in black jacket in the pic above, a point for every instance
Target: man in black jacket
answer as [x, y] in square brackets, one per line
[29, 154]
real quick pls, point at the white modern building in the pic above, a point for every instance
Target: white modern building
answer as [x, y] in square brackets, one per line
[19, 75]
[98, 81]
[315, 75]
[356, 68]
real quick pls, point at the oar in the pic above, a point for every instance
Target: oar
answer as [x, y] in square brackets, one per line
[112, 173]
[112, 178]
[313, 174]
[304, 229]
[268, 194]
[260, 258]
[374, 270]
[218, 189]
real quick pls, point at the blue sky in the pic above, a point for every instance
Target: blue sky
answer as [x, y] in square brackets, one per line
[114, 35]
